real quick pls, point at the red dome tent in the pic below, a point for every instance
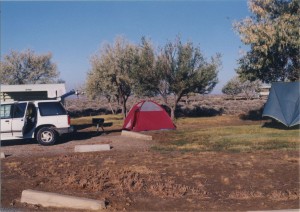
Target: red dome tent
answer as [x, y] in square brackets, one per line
[147, 115]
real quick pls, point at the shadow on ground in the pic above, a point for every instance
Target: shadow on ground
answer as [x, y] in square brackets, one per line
[253, 115]
[78, 135]
[83, 135]
[277, 125]
[198, 111]
[17, 142]
[83, 132]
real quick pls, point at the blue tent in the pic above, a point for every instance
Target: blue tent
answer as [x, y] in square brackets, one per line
[283, 103]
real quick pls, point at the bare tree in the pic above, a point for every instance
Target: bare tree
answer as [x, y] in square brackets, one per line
[28, 68]
[250, 89]
[233, 87]
[238, 85]
[110, 73]
[179, 69]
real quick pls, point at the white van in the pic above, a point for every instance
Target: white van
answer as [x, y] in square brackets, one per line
[43, 120]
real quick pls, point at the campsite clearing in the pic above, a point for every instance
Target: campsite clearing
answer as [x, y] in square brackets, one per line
[216, 163]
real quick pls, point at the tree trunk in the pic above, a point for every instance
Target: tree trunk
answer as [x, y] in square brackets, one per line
[111, 108]
[165, 99]
[124, 111]
[176, 100]
[172, 113]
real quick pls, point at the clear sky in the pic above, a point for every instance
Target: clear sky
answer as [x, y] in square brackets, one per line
[74, 30]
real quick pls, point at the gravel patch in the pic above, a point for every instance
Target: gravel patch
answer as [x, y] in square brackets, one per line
[21, 148]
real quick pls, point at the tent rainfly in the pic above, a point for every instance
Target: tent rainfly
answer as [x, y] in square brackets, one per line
[283, 103]
[147, 115]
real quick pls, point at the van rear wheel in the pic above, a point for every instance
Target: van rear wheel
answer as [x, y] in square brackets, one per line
[46, 136]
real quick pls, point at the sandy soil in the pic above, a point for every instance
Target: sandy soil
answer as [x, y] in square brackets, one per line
[132, 176]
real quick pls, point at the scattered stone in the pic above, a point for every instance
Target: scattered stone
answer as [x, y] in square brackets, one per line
[48, 199]
[136, 135]
[92, 148]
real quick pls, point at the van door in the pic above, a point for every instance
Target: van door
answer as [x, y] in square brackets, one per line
[30, 120]
[6, 121]
[19, 119]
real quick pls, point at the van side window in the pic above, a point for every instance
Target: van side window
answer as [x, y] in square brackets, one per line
[6, 111]
[51, 109]
[19, 110]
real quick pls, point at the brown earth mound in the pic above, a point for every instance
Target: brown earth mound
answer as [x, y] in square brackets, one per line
[149, 180]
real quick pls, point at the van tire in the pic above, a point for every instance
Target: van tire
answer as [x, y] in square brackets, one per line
[46, 136]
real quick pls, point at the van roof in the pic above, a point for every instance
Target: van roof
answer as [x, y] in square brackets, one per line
[35, 101]
[31, 92]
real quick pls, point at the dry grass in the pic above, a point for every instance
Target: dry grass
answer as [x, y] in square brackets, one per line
[219, 133]
[116, 120]
[226, 133]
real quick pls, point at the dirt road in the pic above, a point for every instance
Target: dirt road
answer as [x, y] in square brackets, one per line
[132, 176]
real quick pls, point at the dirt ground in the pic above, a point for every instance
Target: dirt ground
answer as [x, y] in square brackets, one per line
[134, 177]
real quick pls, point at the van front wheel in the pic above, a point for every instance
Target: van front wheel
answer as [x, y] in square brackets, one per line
[46, 136]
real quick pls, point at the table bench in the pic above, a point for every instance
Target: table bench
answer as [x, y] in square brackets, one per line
[98, 122]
